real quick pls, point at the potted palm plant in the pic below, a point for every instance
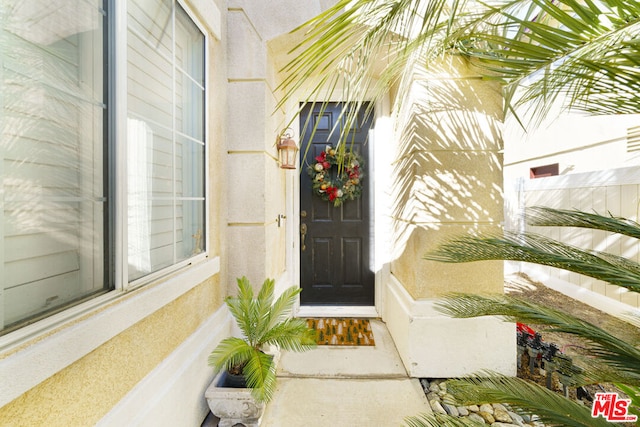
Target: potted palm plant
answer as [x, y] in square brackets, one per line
[263, 322]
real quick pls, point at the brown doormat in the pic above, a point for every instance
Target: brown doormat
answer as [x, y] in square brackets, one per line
[341, 331]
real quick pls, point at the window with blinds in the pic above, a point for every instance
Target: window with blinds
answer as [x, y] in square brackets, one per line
[55, 219]
[165, 129]
[52, 204]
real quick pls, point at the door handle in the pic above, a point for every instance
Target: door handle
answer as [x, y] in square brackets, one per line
[303, 235]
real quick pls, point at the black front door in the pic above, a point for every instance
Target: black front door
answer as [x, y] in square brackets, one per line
[335, 249]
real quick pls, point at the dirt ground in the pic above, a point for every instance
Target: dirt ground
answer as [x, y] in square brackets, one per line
[523, 287]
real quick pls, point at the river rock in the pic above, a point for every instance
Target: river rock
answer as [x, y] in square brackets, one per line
[451, 410]
[485, 407]
[436, 407]
[477, 418]
[487, 417]
[502, 415]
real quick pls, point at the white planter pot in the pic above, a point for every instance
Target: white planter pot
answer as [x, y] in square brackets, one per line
[233, 405]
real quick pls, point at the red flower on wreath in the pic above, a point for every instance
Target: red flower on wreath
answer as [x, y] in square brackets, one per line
[322, 157]
[354, 172]
[333, 193]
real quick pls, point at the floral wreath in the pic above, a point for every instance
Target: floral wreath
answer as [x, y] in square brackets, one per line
[336, 176]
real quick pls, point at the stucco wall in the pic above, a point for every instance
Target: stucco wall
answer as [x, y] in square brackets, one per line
[257, 188]
[84, 392]
[448, 176]
[447, 182]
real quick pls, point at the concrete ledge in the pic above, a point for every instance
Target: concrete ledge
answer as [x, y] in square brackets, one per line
[432, 345]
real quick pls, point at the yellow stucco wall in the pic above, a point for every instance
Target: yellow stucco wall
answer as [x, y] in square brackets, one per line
[448, 178]
[84, 392]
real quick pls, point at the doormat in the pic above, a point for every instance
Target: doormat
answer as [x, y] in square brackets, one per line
[341, 331]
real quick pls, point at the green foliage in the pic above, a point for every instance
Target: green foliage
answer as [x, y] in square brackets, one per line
[610, 358]
[634, 395]
[582, 54]
[263, 322]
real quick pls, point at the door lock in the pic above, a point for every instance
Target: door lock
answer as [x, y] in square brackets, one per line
[303, 235]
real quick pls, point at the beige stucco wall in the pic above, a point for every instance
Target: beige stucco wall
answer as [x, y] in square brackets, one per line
[448, 178]
[257, 186]
[83, 393]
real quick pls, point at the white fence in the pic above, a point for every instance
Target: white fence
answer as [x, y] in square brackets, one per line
[615, 192]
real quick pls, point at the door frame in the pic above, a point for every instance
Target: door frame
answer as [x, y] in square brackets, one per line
[380, 268]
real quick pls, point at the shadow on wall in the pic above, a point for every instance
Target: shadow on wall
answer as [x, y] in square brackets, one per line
[448, 167]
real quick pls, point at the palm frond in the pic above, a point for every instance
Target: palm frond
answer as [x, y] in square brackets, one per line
[262, 312]
[260, 373]
[552, 408]
[634, 395]
[343, 46]
[283, 305]
[242, 307]
[263, 321]
[585, 54]
[548, 217]
[614, 352]
[440, 420]
[291, 334]
[230, 352]
[537, 249]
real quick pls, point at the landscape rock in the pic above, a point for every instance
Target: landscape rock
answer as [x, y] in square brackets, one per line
[477, 418]
[436, 407]
[451, 410]
[487, 417]
[502, 415]
[495, 415]
[485, 407]
[517, 419]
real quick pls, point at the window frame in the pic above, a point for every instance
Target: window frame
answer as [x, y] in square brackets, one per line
[115, 180]
[82, 328]
[121, 236]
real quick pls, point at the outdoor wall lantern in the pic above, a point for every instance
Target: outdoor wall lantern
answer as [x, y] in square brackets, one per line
[287, 150]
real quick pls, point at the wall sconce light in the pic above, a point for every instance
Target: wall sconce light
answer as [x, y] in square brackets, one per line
[287, 150]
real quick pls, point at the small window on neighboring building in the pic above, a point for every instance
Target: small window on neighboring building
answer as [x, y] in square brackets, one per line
[544, 171]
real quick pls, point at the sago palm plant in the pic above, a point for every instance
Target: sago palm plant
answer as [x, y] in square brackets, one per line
[611, 359]
[263, 322]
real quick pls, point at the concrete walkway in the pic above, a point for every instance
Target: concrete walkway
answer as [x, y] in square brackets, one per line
[345, 387]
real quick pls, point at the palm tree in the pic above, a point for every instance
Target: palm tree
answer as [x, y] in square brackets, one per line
[612, 359]
[583, 54]
[262, 322]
